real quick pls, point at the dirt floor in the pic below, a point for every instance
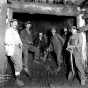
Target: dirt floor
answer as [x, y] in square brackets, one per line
[41, 78]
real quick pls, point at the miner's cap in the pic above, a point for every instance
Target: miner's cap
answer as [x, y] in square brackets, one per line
[28, 22]
[73, 27]
[12, 20]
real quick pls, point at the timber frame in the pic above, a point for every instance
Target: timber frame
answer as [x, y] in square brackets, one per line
[41, 8]
[7, 9]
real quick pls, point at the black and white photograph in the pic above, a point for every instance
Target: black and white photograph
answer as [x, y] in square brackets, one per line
[43, 43]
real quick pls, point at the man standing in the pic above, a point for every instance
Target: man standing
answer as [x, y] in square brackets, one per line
[84, 49]
[27, 41]
[58, 43]
[75, 46]
[41, 44]
[13, 47]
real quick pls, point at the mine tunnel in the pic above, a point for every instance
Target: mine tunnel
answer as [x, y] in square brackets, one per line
[42, 23]
[43, 15]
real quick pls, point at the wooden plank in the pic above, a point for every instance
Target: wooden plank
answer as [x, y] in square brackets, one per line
[44, 9]
[2, 35]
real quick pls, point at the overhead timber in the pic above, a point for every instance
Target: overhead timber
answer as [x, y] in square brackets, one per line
[39, 8]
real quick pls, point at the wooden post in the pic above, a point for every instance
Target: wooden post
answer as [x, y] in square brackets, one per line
[9, 15]
[3, 9]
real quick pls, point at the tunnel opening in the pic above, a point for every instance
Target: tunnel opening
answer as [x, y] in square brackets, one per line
[43, 22]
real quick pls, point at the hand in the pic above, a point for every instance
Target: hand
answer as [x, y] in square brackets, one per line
[69, 49]
[20, 45]
[48, 49]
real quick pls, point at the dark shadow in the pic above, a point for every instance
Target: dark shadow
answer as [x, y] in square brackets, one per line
[11, 66]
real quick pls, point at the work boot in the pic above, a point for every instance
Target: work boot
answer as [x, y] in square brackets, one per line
[59, 68]
[27, 72]
[19, 82]
[83, 82]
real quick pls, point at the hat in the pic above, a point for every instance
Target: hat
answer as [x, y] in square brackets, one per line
[11, 20]
[73, 27]
[28, 22]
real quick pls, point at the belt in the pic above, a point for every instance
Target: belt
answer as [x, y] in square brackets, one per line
[11, 44]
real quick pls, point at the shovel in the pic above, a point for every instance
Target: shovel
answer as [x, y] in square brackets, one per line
[71, 59]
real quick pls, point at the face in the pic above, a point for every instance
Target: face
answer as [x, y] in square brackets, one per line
[40, 35]
[65, 31]
[74, 30]
[28, 25]
[53, 31]
[14, 24]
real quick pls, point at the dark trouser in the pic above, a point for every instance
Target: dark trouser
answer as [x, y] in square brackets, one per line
[16, 59]
[79, 64]
[27, 60]
[59, 58]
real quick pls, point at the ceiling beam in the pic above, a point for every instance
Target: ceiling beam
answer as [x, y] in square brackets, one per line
[39, 8]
